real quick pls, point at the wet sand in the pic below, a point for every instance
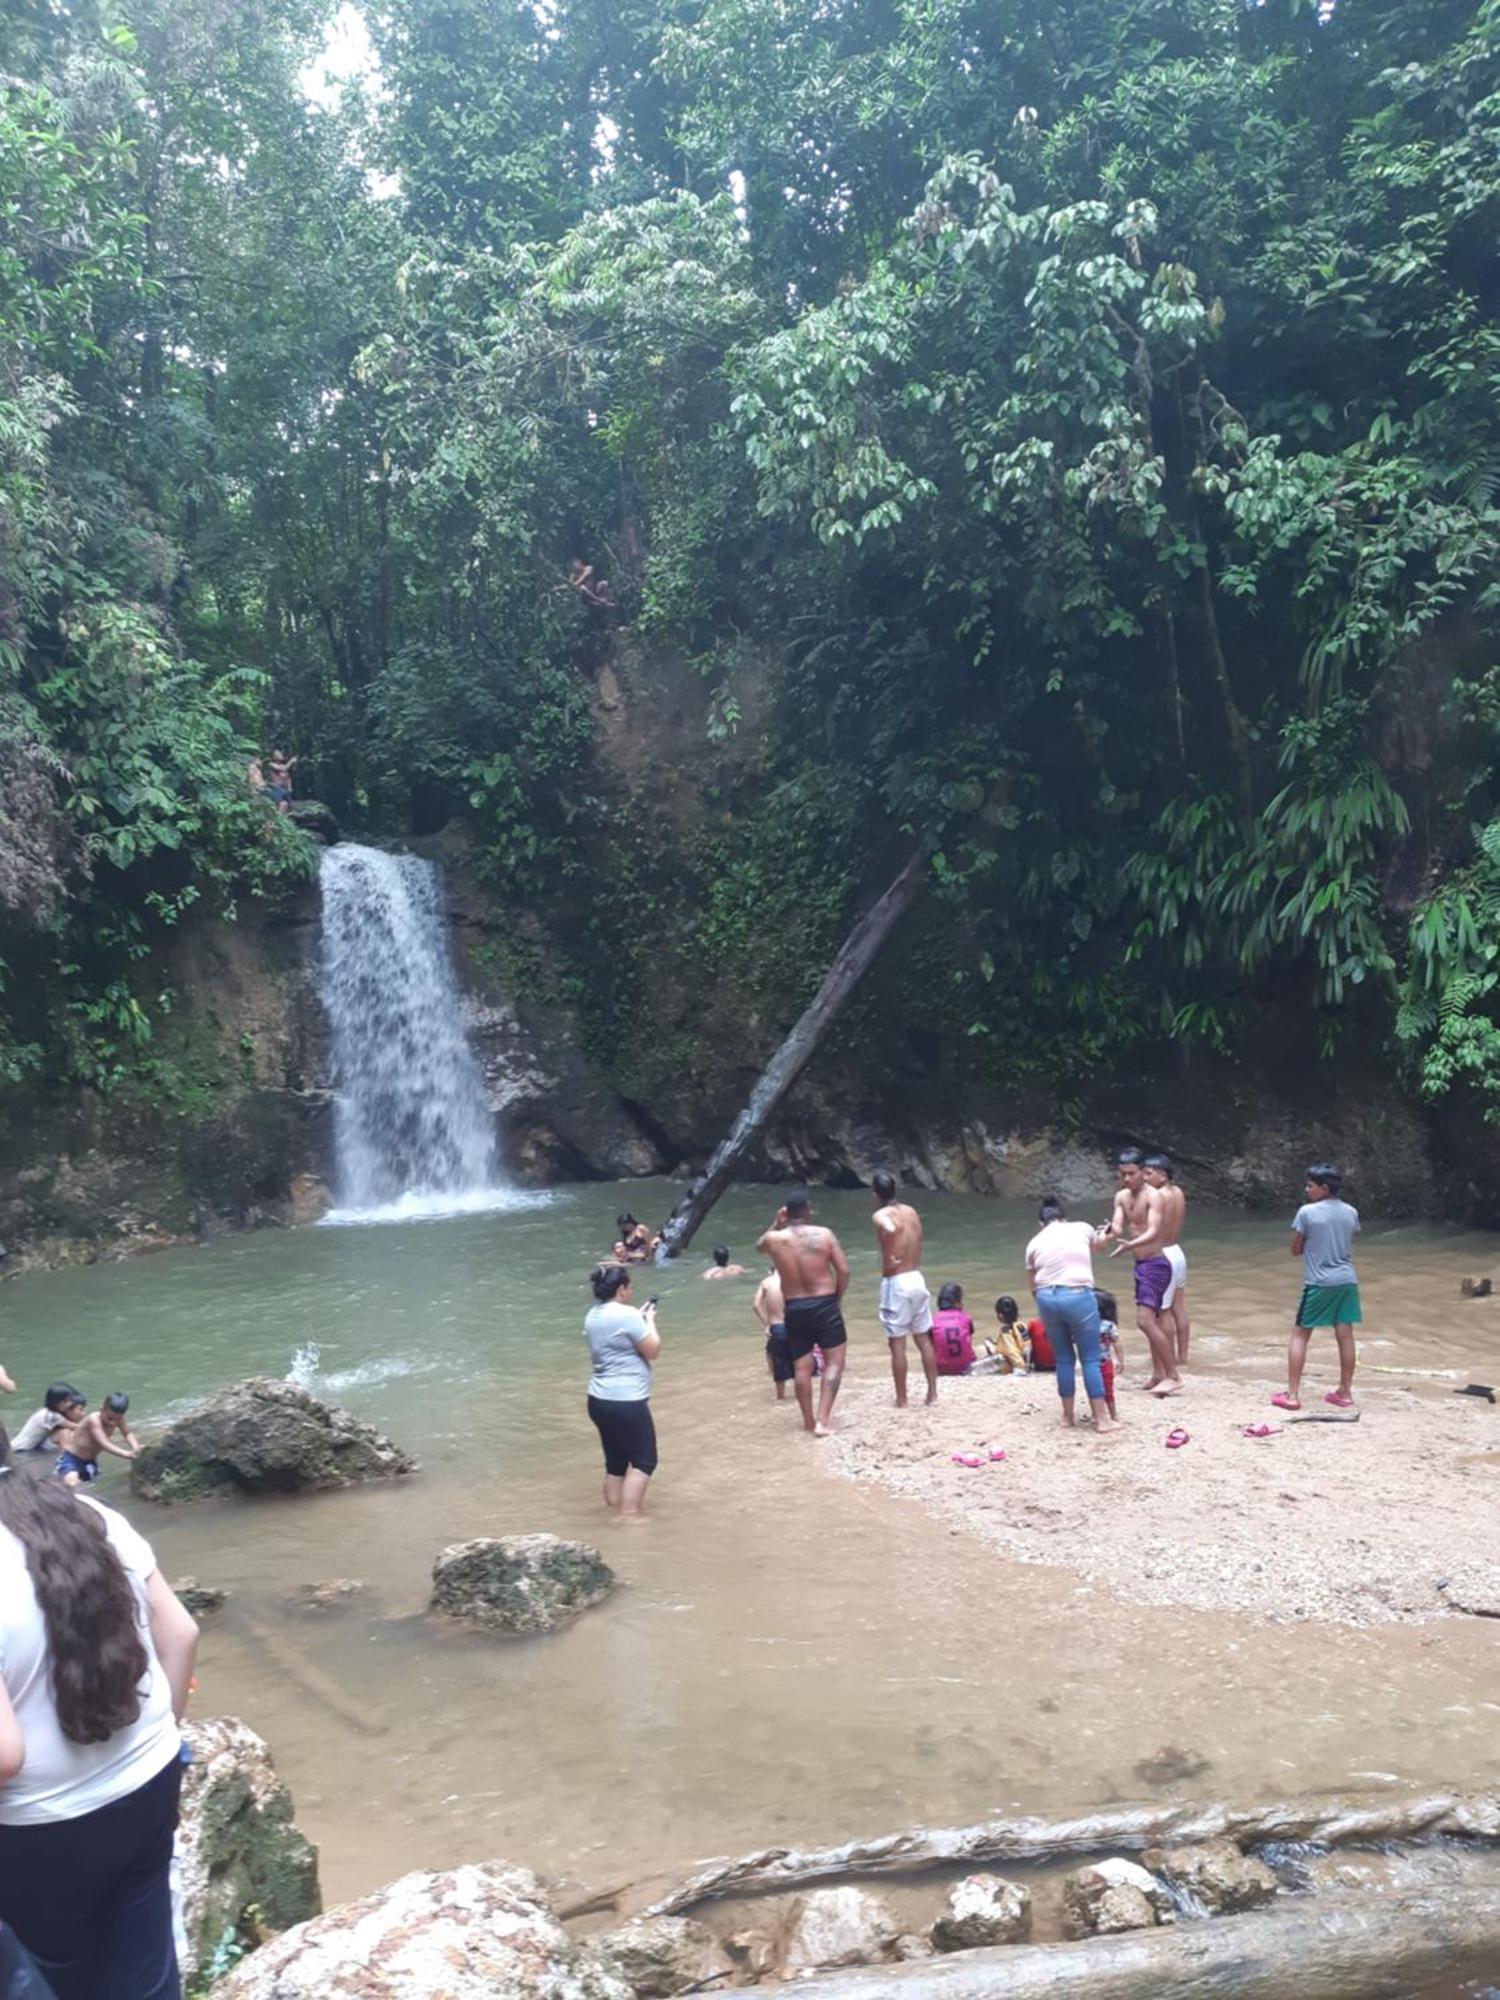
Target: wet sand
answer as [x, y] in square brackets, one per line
[1352, 1523]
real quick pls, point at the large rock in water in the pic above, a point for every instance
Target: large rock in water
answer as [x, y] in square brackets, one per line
[983, 1910]
[1215, 1875]
[243, 1866]
[263, 1436]
[480, 1932]
[520, 1583]
[834, 1927]
[1107, 1897]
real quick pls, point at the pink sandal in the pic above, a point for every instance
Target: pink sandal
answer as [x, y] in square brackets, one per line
[996, 1456]
[969, 1458]
[1262, 1431]
[1339, 1402]
[1285, 1402]
[1176, 1439]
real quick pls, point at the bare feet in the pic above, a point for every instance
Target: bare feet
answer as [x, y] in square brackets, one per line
[900, 1402]
[1153, 1384]
[821, 1431]
[1107, 1430]
[932, 1398]
[1168, 1389]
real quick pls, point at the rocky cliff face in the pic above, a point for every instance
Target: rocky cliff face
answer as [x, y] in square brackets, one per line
[240, 1133]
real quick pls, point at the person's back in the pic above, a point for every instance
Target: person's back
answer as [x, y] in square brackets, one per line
[953, 1340]
[1328, 1229]
[621, 1374]
[813, 1270]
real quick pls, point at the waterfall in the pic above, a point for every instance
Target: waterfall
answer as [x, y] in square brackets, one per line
[413, 1135]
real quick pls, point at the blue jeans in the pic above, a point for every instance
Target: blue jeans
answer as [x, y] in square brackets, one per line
[1071, 1317]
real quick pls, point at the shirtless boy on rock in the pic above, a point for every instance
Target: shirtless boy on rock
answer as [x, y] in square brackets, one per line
[814, 1274]
[1145, 1219]
[905, 1302]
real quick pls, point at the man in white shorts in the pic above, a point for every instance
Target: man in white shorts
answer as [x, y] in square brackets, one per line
[1161, 1174]
[905, 1302]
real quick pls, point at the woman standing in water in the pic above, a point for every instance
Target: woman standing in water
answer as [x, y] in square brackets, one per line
[96, 1657]
[623, 1343]
[1060, 1259]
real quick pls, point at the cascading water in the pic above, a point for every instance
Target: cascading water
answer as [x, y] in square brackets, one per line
[413, 1135]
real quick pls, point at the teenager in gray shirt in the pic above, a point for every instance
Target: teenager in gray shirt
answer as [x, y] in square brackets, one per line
[1323, 1230]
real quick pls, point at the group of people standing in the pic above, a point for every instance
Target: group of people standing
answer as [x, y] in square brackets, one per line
[800, 1305]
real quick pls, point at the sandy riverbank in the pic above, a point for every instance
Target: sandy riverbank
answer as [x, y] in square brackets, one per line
[1352, 1523]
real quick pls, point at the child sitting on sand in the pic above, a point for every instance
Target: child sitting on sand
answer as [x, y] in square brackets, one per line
[952, 1333]
[1111, 1354]
[62, 1406]
[1010, 1343]
[79, 1463]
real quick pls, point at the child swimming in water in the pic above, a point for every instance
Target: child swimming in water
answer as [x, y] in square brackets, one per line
[79, 1463]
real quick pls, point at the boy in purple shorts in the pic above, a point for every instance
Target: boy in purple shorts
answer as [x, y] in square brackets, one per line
[1141, 1210]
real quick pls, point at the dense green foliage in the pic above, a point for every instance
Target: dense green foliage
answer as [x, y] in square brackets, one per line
[1068, 434]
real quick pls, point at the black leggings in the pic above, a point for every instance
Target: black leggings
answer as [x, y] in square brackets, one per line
[627, 1434]
[90, 1899]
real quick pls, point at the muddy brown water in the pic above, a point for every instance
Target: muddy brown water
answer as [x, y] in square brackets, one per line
[791, 1657]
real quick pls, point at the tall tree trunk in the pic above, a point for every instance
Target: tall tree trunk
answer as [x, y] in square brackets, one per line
[854, 958]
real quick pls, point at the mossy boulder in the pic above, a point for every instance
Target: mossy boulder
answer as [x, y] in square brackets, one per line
[263, 1436]
[246, 1868]
[520, 1583]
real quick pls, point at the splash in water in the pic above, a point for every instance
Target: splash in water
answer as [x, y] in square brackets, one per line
[303, 1372]
[413, 1134]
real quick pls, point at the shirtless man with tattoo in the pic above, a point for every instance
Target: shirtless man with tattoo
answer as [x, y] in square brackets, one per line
[1161, 1175]
[905, 1302]
[1145, 1219]
[814, 1274]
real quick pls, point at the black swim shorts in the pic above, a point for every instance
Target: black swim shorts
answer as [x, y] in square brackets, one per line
[777, 1354]
[813, 1323]
[627, 1434]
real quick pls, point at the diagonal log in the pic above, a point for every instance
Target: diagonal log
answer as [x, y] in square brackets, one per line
[854, 957]
[1335, 1821]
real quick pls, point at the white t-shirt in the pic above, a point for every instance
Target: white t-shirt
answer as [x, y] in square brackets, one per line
[62, 1780]
[1062, 1254]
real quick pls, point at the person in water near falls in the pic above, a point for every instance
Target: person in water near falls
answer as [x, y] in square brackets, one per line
[1162, 1175]
[814, 1274]
[721, 1266]
[623, 1343]
[905, 1302]
[635, 1242]
[62, 1408]
[1145, 1218]
[1323, 1232]
[78, 1463]
[769, 1309]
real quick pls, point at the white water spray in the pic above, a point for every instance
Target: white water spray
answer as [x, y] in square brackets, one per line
[413, 1135]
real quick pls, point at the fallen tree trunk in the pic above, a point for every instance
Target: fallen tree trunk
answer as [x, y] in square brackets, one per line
[1334, 1821]
[781, 1072]
[1317, 1947]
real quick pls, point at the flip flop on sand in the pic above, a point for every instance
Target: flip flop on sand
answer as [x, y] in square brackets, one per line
[1176, 1439]
[970, 1458]
[1262, 1431]
[995, 1456]
[1284, 1401]
[1339, 1402]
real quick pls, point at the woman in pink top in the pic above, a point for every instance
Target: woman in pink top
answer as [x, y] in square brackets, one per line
[1060, 1260]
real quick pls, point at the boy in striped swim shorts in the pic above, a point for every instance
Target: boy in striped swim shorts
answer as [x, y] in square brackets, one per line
[1323, 1230]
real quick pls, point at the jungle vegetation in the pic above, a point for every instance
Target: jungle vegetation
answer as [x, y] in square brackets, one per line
[1066, 431]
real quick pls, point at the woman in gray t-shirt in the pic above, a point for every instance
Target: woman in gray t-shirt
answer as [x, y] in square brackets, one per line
[623, 1343]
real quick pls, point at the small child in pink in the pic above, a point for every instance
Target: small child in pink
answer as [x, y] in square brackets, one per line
[952, 1333]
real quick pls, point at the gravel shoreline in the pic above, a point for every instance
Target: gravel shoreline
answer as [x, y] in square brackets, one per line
[1391, 1519]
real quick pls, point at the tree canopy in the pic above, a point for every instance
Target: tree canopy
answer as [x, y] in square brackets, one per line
[1064, 433]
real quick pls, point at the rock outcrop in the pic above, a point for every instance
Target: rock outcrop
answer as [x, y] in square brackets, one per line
[1214, 1876]
[519, 1583]
[983, 1910]
[660, 1956]
[1111, 1896]
[243, 1865]
[833, 1927]
[480, 1932]
[263, 1436]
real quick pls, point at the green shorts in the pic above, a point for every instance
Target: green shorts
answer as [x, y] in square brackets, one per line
[1329, 1305]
